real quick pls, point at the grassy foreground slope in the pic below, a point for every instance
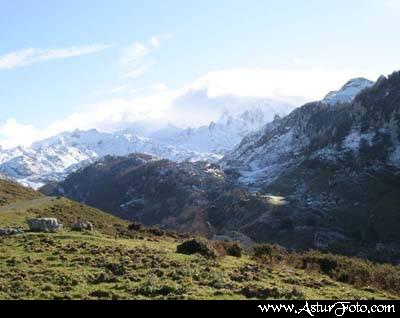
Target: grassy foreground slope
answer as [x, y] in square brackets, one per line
[11, 192]
[114, 262]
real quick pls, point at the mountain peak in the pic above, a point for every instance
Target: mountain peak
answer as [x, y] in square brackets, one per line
[348, 91]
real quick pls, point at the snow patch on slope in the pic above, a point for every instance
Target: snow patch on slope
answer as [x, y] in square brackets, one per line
[353, 140]
[395, 156]
[348, 92]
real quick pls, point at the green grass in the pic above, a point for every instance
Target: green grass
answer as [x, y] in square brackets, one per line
[70, 265]
[114, 263]
[66, 211]
[11, 192]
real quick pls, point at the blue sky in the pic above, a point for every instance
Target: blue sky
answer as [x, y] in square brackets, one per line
[83, 64]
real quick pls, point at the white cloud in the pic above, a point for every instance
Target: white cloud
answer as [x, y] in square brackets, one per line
[393, 5]
[13, 134]
[158, 87]
[34, 55]
[119, 89]
[154, 41]
[133, 53]
[282, 84]
[115, 114]
[391, 8]
[298, 61]
[136, 59]
[139, 70]
[203, 99]
[193, 104]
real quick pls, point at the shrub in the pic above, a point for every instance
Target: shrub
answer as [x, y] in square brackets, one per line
[355, 273]
[224, 248]
[156, 231]
[269, 252]
[350, 270]
[104, 294]
[220, 247]
[327, 265]
[135, 226]
[387, 277]
[103, 277]
[260, 293]
[234, 250]
[198, 246]
[150, 289]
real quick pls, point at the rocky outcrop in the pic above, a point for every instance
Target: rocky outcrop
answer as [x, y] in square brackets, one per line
[82, 226]
[11, 231]
[44, 225]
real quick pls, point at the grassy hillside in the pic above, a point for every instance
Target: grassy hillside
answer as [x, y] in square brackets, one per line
[11, 192]
[114, 262]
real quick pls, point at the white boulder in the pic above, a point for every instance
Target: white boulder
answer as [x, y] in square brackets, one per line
[44, 225]
[82, 226]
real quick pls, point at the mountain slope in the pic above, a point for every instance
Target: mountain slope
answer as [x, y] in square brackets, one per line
[193, 197]
[325, 176]
[337, 166]
[348, 92]
[11, 192]
[115, 261]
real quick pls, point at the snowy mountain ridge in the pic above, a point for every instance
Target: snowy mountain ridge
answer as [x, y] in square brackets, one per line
[218, 137]
[348, 92]
[52, 159]
[317, 132]
[337, 167]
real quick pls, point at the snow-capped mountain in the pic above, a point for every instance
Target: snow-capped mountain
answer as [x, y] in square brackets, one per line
[348, 92]
[218, 137]
[54, 158]
[324, 176]
[34, 167]
[337, 167]
[318, 131]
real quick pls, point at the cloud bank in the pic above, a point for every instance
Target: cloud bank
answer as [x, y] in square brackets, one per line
[194, 104]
